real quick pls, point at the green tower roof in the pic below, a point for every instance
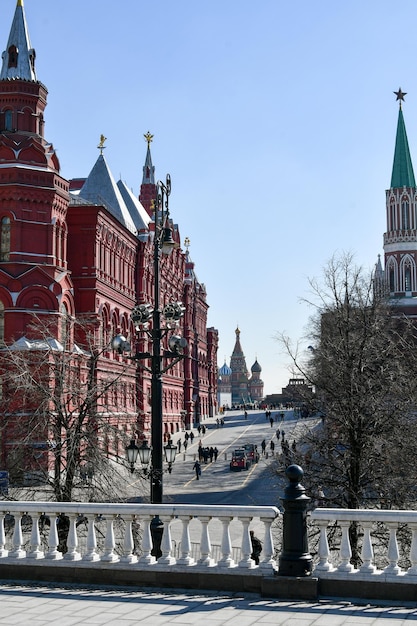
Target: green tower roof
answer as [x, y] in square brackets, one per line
[402, 169]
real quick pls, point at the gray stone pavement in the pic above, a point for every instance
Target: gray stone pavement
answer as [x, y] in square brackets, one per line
[36, 605]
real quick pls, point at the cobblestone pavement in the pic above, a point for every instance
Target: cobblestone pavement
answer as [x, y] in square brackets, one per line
[36, 605]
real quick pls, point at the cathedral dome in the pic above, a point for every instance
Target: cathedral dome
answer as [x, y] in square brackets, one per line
[256, 367]
[225, 370]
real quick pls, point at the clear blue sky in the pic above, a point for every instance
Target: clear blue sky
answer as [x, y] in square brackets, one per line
[276, 121]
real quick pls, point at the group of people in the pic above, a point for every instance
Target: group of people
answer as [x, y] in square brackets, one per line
[207, 454]
[287, 450]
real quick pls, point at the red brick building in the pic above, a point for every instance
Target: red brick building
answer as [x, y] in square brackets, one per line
[82, 249]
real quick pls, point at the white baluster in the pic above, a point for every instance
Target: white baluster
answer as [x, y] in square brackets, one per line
[345, 549]
[393, 555]
[147, 557]
[367, 553]
[35, 539]
[324, 564]
[91, 553]
[226, 559]
[128, 544]
[205, 543]
[72, 540]
[3, 552]
[185, 558]
[53, 553]
[246, 562]
[109, 556]
[413, 551]
[267, 562]
[166, 543]
[17, 542]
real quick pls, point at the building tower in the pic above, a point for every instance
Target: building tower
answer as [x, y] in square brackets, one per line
[224, 386]
[34, 198]
[240, 376]
[256, 385]
[400, 239]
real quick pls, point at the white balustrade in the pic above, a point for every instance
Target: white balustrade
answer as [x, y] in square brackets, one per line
[69, 531]
[340, 565]
[99, 535]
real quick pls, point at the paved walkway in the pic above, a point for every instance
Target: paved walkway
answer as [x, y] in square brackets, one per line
[32, 605]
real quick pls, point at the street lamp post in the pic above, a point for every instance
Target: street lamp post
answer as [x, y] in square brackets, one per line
[163, 243]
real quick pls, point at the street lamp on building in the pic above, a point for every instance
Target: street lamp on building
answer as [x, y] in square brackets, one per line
[146, 318]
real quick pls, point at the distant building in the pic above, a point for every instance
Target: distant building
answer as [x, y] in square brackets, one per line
[236, 383]
[297, 393]
[224, 386]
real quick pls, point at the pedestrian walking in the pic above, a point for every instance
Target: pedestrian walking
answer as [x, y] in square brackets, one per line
[271, 421]
[278, 434]
[191, 436]
[185, 445]
[179, 445]
[263, 446]
[272, 446]
[216, 454]
[197, 468]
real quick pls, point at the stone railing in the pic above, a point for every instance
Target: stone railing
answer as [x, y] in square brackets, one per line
[119, 536]
[209, 547]
[372, 524]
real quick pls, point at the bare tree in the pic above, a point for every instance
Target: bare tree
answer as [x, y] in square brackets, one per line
[362, 364]
[68, 410]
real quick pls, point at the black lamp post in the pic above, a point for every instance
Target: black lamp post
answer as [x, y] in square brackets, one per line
[141, 316]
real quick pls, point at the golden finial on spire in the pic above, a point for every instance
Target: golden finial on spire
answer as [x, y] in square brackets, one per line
[101, 145]
[187, 243]
[148, 138]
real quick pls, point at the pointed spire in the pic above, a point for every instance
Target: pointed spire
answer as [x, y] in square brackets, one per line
[237, 350]
[148, 168]
[402, 169]
[19, 56]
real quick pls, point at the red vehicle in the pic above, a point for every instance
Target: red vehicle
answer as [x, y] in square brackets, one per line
[251, 452]
[239, 460]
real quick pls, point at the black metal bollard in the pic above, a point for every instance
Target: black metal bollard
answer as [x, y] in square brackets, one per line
[295, 559]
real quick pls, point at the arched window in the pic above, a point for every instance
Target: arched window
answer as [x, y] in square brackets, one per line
[408, 274]
[391, 279]
[65, 327]
[5, 239]
[392, 224]
[405, 215]
[13, 54]
[407, 278]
